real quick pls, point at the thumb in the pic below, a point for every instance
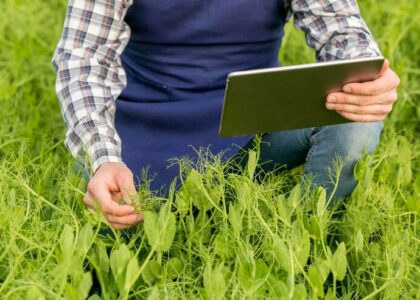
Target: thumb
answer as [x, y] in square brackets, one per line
[126, 186]
[108, 206]
[385, 67]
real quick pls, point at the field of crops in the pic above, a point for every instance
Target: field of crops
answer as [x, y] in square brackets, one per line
[219, 236]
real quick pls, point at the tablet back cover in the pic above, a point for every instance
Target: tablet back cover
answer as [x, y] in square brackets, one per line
[286, 98]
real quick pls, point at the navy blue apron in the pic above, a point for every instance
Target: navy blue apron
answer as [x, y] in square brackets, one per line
[177, 61]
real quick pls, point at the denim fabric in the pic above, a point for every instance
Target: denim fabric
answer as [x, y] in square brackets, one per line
[318, 148]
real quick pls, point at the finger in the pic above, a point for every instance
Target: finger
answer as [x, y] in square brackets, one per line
[116, 196]
[126, 220]
[386, 98]
[120, 226]
[385, 67]
[126, 185]
[377, 109]
[362, 118]
[108, 206]
[101, 193]
[351, 88]
[386, 82]
[89, 201]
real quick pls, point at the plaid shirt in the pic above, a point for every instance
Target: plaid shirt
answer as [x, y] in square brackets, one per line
[90, 76]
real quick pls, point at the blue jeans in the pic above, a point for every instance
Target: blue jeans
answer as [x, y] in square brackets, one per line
[317, 148]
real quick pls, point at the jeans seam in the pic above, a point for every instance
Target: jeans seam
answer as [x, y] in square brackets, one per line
[312, 145]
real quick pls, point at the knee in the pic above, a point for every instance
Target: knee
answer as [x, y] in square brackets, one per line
[350, 140]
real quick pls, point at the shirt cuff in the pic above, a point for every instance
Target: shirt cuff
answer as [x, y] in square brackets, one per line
[102, 152]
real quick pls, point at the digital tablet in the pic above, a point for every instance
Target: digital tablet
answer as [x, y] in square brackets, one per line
[285, 98]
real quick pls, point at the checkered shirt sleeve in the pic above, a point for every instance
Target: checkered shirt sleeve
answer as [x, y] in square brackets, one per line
[334, 28]
[90, 77]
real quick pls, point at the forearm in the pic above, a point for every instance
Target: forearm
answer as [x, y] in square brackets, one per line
[90, 77]
[334, 28]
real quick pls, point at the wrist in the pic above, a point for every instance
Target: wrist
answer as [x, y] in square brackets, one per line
[105, 162]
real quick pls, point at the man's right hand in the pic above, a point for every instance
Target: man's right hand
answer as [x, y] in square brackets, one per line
[111, 182]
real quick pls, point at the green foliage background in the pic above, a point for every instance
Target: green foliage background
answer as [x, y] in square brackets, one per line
[49, 246]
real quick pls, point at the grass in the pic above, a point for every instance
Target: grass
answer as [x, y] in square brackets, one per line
[218, 237]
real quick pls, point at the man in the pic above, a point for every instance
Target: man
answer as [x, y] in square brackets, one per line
[139, 81]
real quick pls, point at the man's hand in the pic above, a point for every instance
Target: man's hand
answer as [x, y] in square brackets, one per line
[368, 101]
[111, 182]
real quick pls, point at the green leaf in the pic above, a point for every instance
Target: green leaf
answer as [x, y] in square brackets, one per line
[151, 272]
[84, 239]
[160, 230]
[66, 242]
[282, 254]
[261, 269]
[302, 251]
[417, 185]
[329, 254]
[154, 294]
[190, 225]
[404, 174]
[278, 288]
[252, 163]
[252, 274]
[413, 204]
[385, 169]
[312, 225]
[358, 241]
[103, 258]
[330, 295]
[243, 193]
[182, 203]
[282, 209]
[12, 198]
[174, 267]
[300, 244]
[98, 258]
[339, 262]
[214, 282]
[299, 292]
[167, 228]
[195, 190]
[151, 227]
[84, 285]
[235, 218]
[222, 245]
[202, 226]
[315, 281]
[132, 274]
[118, 262]
[321, 203]
[34, 293]
[323, 268]
[245, 276]
[359, 169]
[71, 292]
[295, 197]
[404, 150]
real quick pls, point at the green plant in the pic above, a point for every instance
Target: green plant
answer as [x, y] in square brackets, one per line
[219, 236]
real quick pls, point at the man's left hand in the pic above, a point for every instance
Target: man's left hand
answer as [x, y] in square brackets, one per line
[368, 101]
